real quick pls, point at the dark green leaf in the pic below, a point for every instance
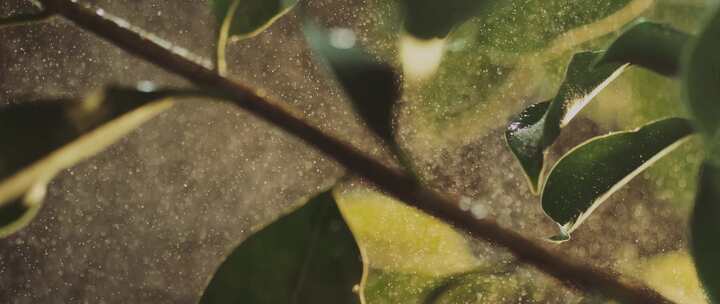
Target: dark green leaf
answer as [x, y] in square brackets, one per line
[521, 137]
[372, 86]
[705, 230]
[428, 19]
[536, 128]
[651, 45]
[307, 256]
[587, 175]
[249, 17]
[701, 81]
[43, 137]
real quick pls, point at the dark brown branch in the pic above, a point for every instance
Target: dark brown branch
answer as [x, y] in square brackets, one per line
[397, 183]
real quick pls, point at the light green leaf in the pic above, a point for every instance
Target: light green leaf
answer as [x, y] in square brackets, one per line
[307, 256]
[44, 137]
[387, 231]
[388, 287]
[705, 230]
[701, 84]
[373, 86]
[247, 18]
[536, 128]
[651, 45]
[587, 175]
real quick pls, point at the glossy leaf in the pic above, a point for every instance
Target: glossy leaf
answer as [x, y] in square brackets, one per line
[535, 129]
[307, 256]
[651, 45]
[44, 137]
[701, 83]
[428, 19]
[522, 135]
[587, 175]
[705, 230]
[247, 18]
[373, 86]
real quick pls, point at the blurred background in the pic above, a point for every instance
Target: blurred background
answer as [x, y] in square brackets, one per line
[149, 220]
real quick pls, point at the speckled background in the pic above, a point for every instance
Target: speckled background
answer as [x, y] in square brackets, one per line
[148, 220]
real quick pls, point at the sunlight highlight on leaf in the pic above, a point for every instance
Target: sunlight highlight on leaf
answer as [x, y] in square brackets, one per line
[387, 230]
[535, 129]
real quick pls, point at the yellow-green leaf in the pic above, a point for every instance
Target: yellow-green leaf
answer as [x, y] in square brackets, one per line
[388, 230]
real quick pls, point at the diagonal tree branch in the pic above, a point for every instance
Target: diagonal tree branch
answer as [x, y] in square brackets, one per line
[397, 183]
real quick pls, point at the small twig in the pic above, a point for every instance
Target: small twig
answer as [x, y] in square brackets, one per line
[24, 19]
[397, 183]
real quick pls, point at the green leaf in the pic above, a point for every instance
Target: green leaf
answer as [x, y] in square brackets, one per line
[307, 256]
[536, 128]
[428, 19]
[439, 267]
[247, 18]
[701, 83]
[373, 86]
[44, 137]
[705, 230]
[587, 175]
[654, 46]
[522, 137]
[389, 287]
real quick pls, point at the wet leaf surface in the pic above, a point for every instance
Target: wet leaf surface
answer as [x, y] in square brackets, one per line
[587, 175]
[532, 132]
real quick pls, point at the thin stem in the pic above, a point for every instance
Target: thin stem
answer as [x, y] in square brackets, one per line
[397, 183]
[23, 19]
[223, 38]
